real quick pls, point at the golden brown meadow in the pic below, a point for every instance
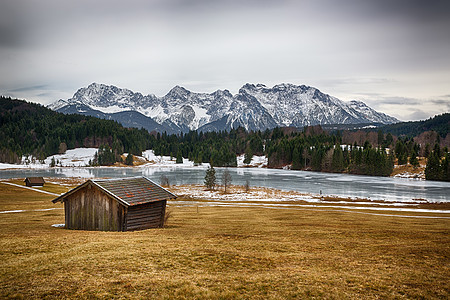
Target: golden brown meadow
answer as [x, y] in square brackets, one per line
[222, 252]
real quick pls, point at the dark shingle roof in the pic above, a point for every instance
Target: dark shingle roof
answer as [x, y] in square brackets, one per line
[35, 180]
[129, 191]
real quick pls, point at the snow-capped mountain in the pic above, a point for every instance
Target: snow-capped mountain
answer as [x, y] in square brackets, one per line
[371, 114]
[255, 107]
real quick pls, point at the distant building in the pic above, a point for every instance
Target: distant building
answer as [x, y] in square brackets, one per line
[115, 205]
[34, 181]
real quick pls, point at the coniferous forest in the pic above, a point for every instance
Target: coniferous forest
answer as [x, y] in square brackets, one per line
[31, 129]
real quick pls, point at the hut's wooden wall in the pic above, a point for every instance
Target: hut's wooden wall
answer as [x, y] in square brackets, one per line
[91, 209]
[143, 216]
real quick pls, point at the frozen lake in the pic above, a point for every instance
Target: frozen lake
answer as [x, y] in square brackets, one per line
[343, 185]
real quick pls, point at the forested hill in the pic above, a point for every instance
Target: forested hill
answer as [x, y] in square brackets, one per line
[439, 123]
[28, 128]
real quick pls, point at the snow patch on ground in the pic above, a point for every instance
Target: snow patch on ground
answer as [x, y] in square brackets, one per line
[408, 175]
[252, 195]
[257, 161]
[78, 157]
[167, 161]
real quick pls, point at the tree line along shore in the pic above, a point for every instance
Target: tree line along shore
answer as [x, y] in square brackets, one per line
[31, 129]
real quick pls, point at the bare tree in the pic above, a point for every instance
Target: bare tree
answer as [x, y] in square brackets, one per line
[247, 186]
[164, 181]
[167, 216]
[226, 179]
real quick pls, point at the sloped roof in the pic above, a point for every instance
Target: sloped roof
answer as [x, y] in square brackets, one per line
[35, 180]
[128, 191]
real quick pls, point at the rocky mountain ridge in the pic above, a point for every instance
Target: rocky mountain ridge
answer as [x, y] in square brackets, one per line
[254, 107]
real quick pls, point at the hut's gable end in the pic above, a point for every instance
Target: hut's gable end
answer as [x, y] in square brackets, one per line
[144, 216]
[89, 208]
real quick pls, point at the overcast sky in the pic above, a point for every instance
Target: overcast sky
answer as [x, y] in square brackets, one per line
[392, 54]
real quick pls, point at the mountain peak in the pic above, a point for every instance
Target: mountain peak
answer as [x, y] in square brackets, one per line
[178, 90]
[98, 86]
[255, 107]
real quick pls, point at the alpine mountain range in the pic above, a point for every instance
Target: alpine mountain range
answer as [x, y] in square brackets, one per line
[254, 107]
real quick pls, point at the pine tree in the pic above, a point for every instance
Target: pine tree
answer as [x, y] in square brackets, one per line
[179, 158]
[296, 159]
[402, 158]
[445, 167]
[337, 163]
[129, 159]
[413, 160]
[52, 163]
[248, 156]
[380, 137]
[437, 150]
[210, 178]
[433, 168]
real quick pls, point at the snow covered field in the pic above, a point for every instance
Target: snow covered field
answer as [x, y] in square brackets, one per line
[257, 161]
[80, 157]
[166, 161]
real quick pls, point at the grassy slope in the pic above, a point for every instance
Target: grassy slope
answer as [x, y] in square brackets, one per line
[222, 252]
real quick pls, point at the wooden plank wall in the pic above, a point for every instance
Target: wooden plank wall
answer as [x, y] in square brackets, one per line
[91, 209]
[143, 216]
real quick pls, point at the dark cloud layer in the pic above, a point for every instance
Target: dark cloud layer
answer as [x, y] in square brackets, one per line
[376, 51]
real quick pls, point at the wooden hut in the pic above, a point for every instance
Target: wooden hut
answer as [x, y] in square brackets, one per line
[34, 181]
[115, 205]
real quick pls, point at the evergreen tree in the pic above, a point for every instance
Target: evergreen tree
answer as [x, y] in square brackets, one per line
[52, 162]
[437, 150]
[179, 158]
[413, 160]
[388, 140]
[401, 152]
[402, 158]
[129, 159]
[296, 159]
[427, 150]
[433, 168]
[380, 137]
[198, 158]
[445, 167]
[337, 163]
[210, 178]
[248, 156]
[105, 156]
[316, 160]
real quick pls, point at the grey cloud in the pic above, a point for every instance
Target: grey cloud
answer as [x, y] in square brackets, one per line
[29, 88]
[372, 95]
[410, 101]
[443, 103]
[358, 80]
[398, 101]
[416, 10]
[418, 115]
[10, 30]
[378, 48]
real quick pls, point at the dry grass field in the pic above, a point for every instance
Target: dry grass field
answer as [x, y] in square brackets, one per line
[222, 252]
